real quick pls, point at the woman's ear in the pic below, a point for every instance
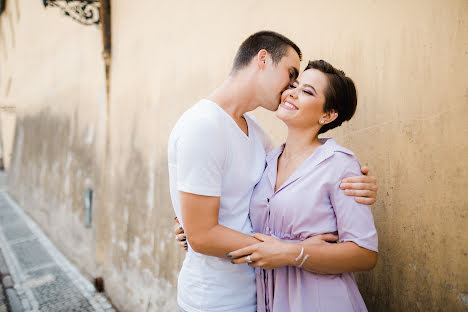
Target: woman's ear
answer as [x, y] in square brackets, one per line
[328, 117]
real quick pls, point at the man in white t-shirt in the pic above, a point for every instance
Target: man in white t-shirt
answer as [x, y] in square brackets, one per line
[216, 156]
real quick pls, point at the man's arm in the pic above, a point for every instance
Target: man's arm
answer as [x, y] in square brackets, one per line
[204, 234]
[364, 189]
[200, 151]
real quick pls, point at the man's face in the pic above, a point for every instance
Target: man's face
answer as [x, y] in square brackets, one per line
[276, 78]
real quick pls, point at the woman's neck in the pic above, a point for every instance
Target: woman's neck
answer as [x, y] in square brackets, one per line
[301, 140]
[300, 143]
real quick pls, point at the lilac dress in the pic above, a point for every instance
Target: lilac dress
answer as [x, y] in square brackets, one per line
[310, 202]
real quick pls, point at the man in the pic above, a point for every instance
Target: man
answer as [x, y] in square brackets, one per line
[216, 156]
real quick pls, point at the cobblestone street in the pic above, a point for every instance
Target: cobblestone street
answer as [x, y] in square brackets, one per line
[35, 275]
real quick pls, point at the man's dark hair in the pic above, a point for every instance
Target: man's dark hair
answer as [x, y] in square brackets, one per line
[276, 44]
[340, 94]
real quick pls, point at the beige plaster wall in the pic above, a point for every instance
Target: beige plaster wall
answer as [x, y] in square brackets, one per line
[51, 72]
[408, 59]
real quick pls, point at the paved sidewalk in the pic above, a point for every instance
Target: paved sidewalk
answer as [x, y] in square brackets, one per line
[35, 275]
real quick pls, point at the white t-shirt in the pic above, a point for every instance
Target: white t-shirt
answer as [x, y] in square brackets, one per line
[210, 155]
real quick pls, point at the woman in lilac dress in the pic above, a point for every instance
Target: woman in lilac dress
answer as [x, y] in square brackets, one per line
[299, 196]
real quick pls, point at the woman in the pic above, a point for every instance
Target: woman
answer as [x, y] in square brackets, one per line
[299, 197]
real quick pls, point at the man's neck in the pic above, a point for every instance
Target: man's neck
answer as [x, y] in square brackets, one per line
[236, 95]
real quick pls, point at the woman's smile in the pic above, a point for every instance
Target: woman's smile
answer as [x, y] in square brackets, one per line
[289, 106]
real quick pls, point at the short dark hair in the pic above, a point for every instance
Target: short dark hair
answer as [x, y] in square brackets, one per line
[340, 94]
[276, 44]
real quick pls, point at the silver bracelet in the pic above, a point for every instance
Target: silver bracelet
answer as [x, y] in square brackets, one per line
[300, 255]
[303, 260]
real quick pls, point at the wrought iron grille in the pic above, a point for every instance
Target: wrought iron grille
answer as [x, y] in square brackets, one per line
[85, 12]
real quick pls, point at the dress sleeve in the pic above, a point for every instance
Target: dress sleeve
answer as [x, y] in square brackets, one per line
[200, 153]
[355, 222]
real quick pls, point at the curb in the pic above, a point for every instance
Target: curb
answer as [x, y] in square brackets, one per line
[12, 299]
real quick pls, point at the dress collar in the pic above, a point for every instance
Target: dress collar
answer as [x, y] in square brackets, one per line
[320, 154]
[326, 150]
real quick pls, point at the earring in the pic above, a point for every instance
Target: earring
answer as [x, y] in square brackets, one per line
[321, 121]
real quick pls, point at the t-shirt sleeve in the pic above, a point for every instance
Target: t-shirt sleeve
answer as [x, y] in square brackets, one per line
[201, 153]
[355, 222]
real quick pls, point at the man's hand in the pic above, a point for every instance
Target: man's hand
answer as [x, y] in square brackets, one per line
[320, 239]
[363, 188]
[180, 235]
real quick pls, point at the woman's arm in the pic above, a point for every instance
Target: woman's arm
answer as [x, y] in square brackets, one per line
[323, 257]
[337, 258]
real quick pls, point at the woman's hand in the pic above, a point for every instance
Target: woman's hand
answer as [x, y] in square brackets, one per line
[180, 235]
[272, 253]
[268, 254]
[364, 188]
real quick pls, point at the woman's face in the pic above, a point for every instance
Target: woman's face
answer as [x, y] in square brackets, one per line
[302, 104]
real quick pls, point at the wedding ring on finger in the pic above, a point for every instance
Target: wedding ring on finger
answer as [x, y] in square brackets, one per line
[248, 259]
